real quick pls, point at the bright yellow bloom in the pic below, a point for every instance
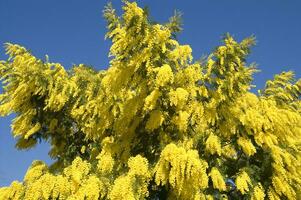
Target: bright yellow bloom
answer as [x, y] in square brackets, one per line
[217, 179]
[164, 76]
[258, 193]
[178, 97]
[247, 146]
[242, 182]
[213, 144]
[155, 120]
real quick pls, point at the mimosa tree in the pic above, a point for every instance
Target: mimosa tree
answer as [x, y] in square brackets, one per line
[156, 124]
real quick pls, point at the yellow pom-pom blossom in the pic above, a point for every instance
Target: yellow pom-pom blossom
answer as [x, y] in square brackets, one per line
[181, 121]
[14, 191]
[151, 100]
[134, 184]
[247, 146]
[217, 179]
[258, 193]
[36, 170]
[75, 182]
[105, 163]
[155, 120]
[178, 97]
[229, 152]
[164, 75]
[78, 170]
[178, 168]
[242, 182]
[213, 145]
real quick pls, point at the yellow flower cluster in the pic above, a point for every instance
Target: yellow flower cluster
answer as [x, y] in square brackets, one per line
[213, 145]
[131, 10]
[15, 191]
[155, 120]
[180, 168]
[229, 152]
[164, 75]
[247, 146]
[182, 53]
[36, 170]
[151, 100]
[181, 121]
[282, 187]
[242, 182]
[273, 195]
[217, 179]
[76, 182]
[258, 193]
[178, 97]
[134, 184]
[105, 163]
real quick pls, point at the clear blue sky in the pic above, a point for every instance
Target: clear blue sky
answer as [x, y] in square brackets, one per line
[72, 32]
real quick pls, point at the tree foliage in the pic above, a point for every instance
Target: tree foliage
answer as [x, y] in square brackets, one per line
[155, 124]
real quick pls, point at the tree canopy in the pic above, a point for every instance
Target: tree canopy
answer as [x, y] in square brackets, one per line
[156, 124]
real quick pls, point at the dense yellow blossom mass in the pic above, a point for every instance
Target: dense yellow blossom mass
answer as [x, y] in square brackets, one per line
[155, 124]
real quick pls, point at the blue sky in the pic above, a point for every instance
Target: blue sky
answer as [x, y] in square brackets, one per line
[72, 32]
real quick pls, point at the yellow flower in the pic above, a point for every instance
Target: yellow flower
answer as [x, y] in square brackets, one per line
[155, 120]
[181, 121]
[247, 146]
[242, 182]
[258, 193]
[151, 100]
[178, 97]
[105, 163]
[217, 179]
[213, 144]
[164, 75]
